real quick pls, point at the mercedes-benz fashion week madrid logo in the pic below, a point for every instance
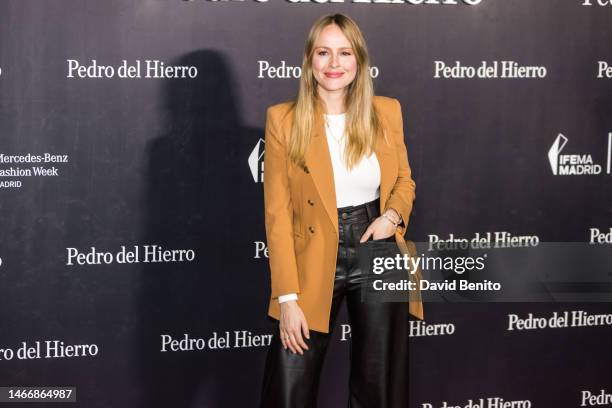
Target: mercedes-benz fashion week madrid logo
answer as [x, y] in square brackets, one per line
[575, 164]
[256, 161]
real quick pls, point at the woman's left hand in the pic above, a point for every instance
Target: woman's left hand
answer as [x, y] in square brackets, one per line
[380, 228]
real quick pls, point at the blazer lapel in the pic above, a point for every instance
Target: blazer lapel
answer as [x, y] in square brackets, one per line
[318, 162]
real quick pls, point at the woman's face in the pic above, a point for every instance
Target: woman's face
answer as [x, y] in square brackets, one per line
[333, 63]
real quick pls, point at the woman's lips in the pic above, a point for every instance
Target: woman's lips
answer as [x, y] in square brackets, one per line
[334, 74]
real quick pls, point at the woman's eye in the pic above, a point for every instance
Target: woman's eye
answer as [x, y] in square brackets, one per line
[343, 53]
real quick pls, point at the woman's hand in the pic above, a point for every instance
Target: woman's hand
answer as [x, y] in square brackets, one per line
[292, 325]
[381, 227]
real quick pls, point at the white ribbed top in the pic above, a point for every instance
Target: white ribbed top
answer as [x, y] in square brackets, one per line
[362, 183]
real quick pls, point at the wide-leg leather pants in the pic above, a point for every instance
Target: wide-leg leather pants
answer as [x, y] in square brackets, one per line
[378, 345]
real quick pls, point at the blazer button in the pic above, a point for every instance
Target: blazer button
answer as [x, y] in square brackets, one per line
[310, 202]
[311, 229]
[306, 170]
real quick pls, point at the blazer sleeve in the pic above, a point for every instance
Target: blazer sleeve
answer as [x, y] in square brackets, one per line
[403, 192]
[278, 212]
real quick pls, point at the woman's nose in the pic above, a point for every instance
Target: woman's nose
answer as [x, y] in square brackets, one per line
[334, 61]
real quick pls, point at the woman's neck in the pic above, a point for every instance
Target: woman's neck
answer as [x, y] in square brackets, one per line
[334, 101]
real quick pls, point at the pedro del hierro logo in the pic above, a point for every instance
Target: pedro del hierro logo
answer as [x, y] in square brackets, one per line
[575, 164]
[256, 161]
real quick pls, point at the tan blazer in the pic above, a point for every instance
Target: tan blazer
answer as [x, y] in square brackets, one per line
[301, 215]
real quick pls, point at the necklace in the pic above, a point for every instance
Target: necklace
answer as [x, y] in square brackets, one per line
[338, 138]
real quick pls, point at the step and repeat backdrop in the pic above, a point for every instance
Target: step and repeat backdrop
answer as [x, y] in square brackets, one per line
[133, 257]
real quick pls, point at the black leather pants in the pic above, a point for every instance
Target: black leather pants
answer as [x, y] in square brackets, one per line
[378, 345]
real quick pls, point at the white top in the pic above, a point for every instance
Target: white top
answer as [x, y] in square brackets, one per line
[362, 183]
[359, 185]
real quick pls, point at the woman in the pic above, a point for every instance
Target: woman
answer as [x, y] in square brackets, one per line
[336, 175]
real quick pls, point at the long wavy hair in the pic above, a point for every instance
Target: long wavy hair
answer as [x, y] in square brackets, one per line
[362, 122]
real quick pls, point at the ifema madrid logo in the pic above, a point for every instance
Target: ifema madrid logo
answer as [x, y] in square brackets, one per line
[256, 161]
[576, 164]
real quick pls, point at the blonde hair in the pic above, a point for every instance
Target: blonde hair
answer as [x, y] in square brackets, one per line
[363, 123]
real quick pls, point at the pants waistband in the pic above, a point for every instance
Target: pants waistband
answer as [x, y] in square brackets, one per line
[369, 210]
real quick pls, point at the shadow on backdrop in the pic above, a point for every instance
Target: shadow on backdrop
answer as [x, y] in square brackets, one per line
[201, 196]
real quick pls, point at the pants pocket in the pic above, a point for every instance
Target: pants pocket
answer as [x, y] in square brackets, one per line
[357, 231]
[388, 239]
